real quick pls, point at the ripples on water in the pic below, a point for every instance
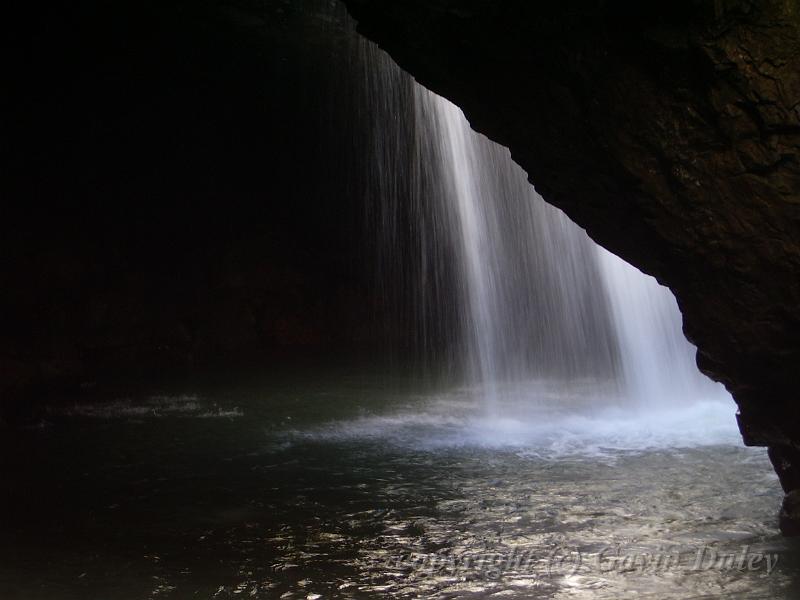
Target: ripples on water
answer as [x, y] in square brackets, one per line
[359, 496]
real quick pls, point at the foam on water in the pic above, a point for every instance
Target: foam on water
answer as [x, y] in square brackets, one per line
[549, 427]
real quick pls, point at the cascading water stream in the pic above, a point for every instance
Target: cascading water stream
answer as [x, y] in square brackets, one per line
[524, 313]
[655, 361]
[658, 367]
[526, 295]
[462, 187]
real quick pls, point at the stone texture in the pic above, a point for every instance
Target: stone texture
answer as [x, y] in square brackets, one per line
[671, 132]
[790, 514]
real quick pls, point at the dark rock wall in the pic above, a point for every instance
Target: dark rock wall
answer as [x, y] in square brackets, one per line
[177, 193]
[671, 132]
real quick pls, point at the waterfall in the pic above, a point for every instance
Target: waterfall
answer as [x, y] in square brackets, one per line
[528, 283]
[512, 290]
[658, 366]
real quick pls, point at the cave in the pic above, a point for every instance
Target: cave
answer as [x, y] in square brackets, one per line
[357, 298]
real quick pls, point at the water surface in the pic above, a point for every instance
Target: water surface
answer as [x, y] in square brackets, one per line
[349, 488]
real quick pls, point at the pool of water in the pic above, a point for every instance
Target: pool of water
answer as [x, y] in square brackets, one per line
[360, 487]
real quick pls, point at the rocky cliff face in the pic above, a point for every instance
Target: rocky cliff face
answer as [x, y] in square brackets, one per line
[671, 132]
